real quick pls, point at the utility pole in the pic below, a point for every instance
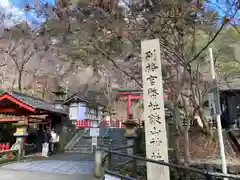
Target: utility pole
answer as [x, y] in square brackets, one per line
[218, 112]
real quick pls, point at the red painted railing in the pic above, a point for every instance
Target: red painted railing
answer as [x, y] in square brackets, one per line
[4, 147]
[83, 124]
[114, 124]
[103, 124]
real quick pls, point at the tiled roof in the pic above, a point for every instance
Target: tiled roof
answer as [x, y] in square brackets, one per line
[91, 97]
[36, 103]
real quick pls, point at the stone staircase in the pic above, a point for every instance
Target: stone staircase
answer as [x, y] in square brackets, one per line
[82, 142]
[84, 146]
[79, 143]
[78, 135]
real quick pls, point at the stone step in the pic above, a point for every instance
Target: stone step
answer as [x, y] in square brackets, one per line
[81, 146]
[75, 138]
[113, 142]
[83, 143]
[101, 143]
[78, 151]
[119, 143]
[83, 149]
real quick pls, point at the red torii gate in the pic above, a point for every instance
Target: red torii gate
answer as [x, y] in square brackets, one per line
[130, 95]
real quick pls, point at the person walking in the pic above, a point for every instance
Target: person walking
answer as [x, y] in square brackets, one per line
[45, 145]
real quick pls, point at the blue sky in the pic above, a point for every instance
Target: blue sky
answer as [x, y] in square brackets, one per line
[225, 7]
[16, 8]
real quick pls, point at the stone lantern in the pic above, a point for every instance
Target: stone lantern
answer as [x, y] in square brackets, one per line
[59, 94]
[20, 134]
[130, 133]
[130, 126]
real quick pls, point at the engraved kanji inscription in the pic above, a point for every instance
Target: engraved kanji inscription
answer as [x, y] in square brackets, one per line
[153, 92]
[153, 106]
[150, 55]
[151, 67]
[155, 131]
[154, 118]
[152, 80]
[156, 141]
[156, 156]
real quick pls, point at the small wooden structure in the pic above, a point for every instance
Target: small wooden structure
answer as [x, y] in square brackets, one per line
[83, 110]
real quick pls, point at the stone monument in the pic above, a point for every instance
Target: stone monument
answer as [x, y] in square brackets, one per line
[154, 112]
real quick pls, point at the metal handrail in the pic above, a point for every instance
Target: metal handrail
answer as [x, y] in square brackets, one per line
[202, 172]
[123, 147]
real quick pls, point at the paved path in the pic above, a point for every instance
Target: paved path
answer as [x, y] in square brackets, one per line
[22, 175]
[58, 167]
[53, 166]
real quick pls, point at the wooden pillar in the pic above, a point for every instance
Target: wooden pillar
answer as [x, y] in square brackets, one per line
[50, 123]
[26, 121]
[129, 105]
[129, 96]
[154, 112]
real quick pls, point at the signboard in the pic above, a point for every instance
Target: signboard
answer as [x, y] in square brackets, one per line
[94, 141]
[154, 112]
[213, 100]
[94, 132]
[212, 103]
[110, 177]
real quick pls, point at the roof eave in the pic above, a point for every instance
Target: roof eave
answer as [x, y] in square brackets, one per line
[17, 101]
[81, 99]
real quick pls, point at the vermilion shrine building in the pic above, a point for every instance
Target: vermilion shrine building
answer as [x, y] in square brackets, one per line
[83, 110]
[77, 111]
[34, 112]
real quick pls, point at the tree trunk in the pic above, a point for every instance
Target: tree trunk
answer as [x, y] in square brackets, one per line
[178, 133]
[20, 80]
[186, 147]
[177, 149]
[186, 153]
[206, 128]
